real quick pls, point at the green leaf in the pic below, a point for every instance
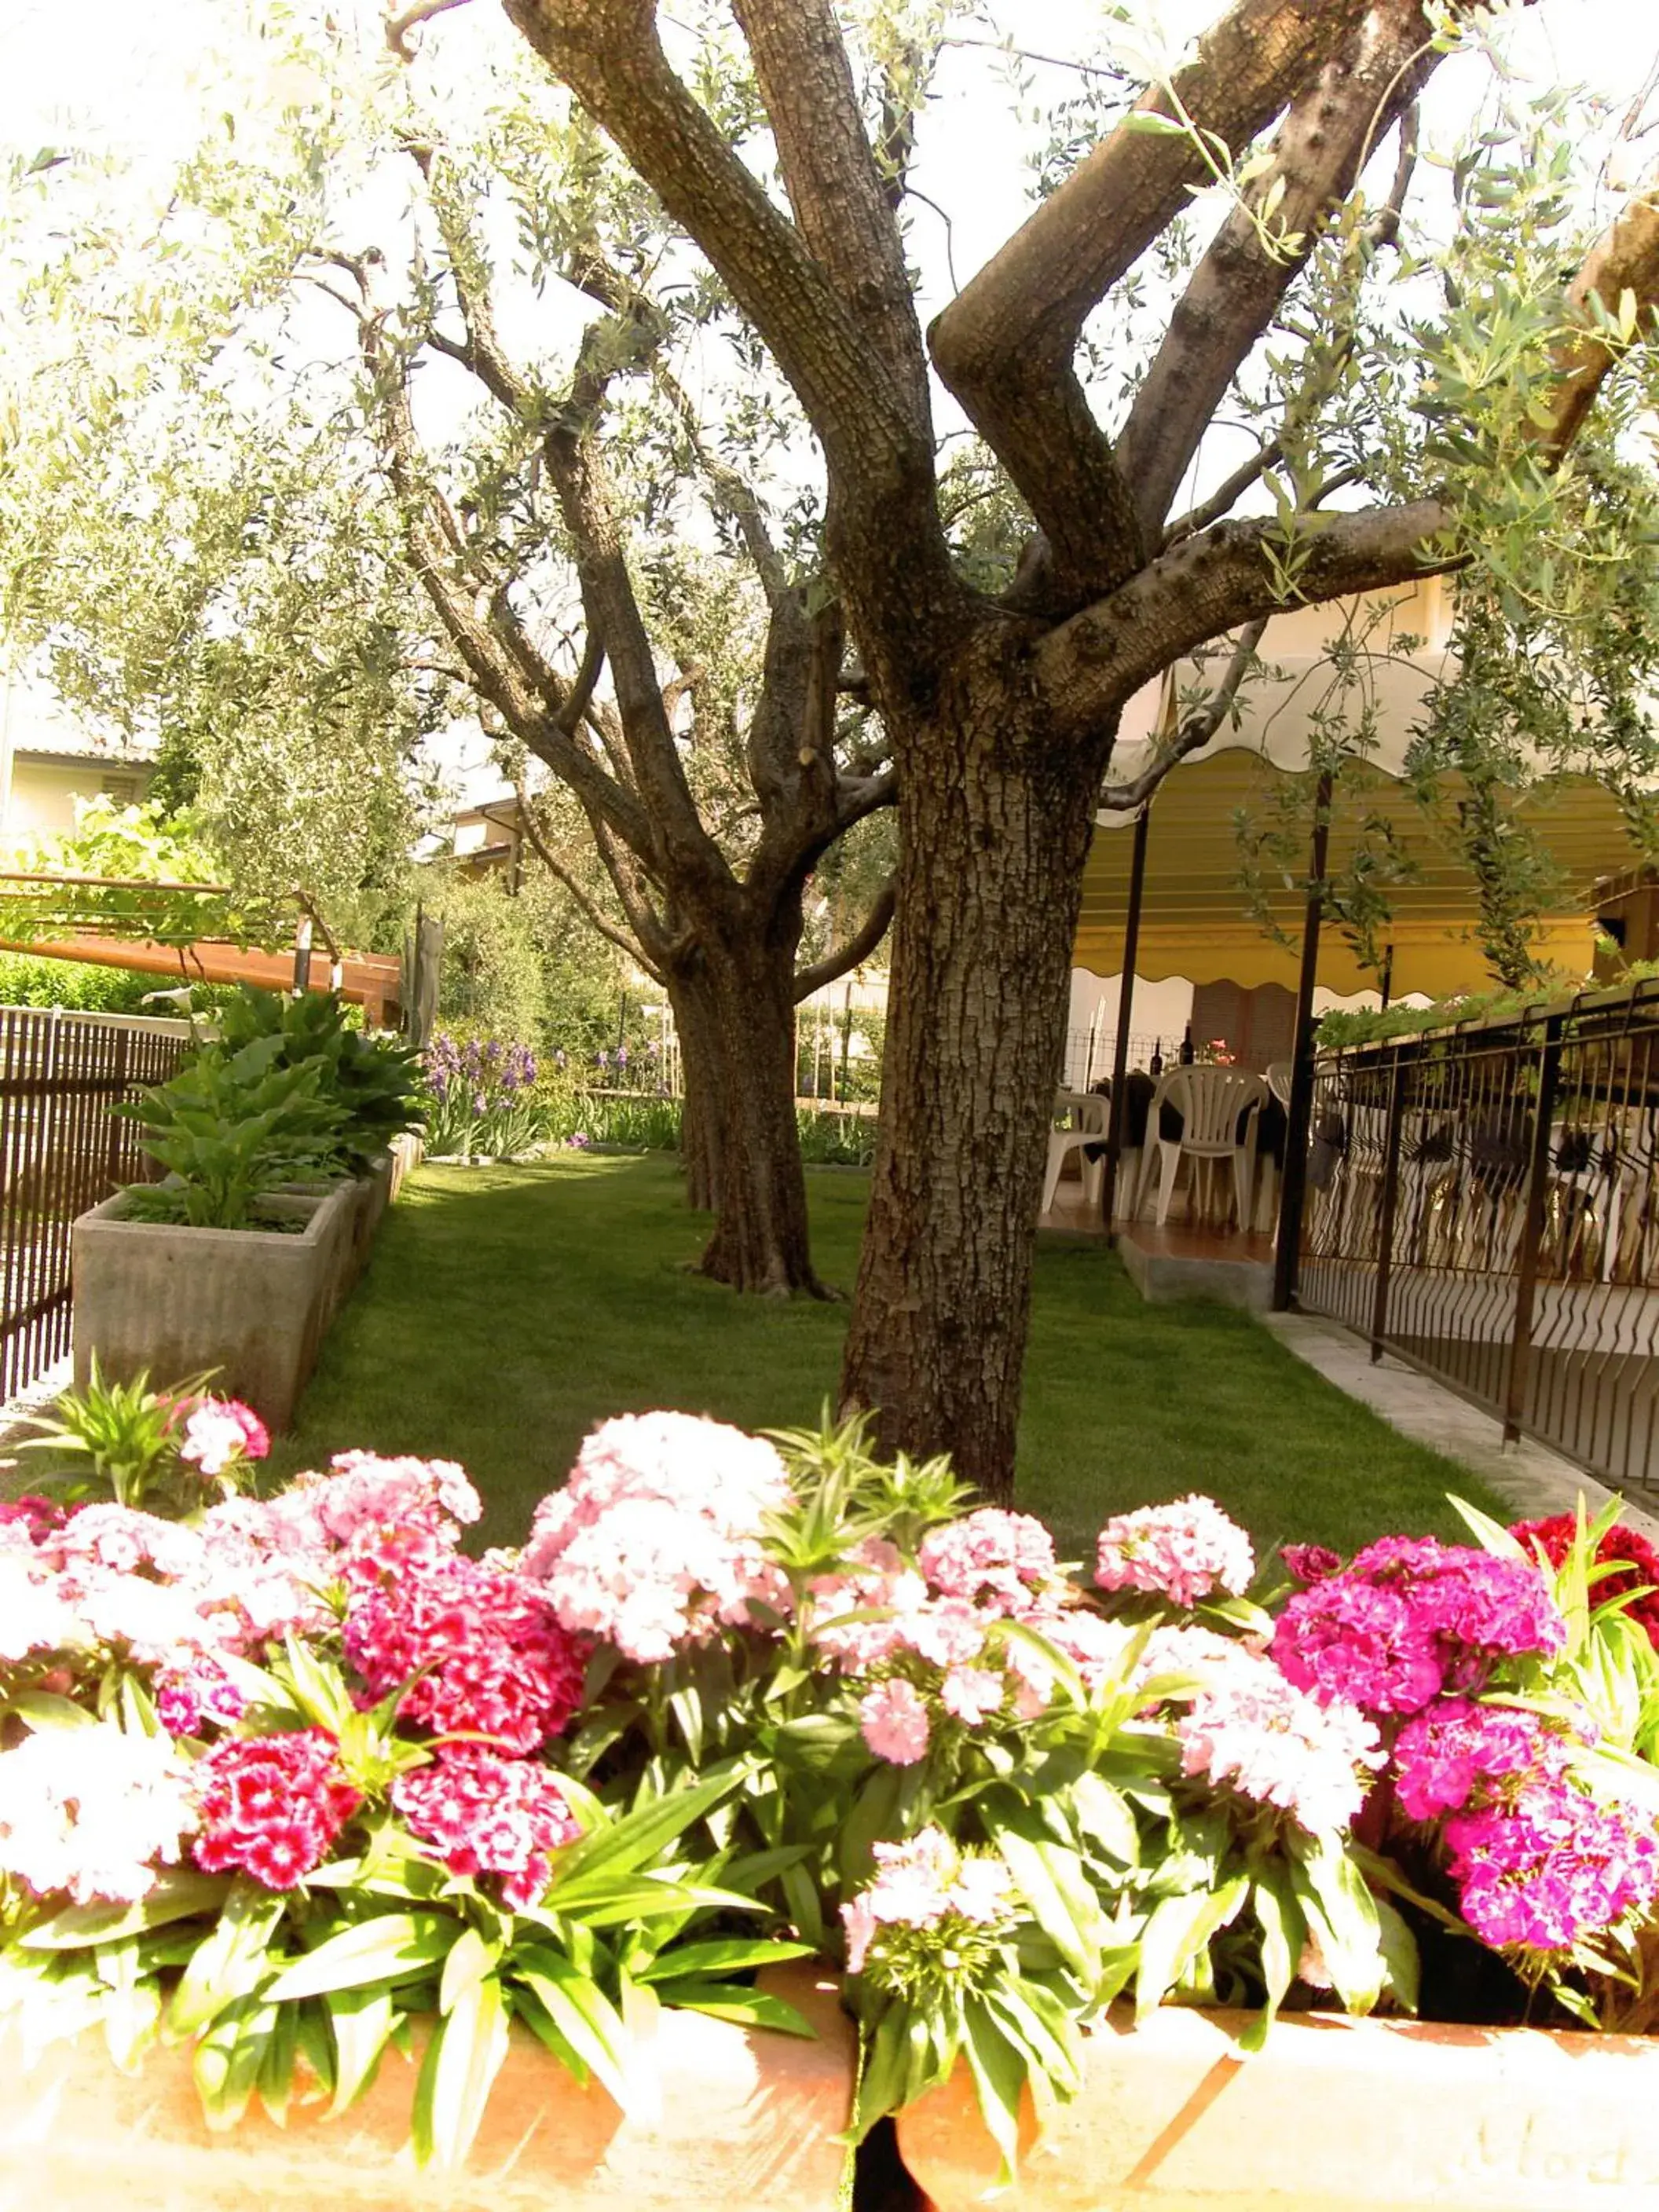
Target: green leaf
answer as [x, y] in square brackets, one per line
[178, 1894]
[44, 1708]
[1144, 123]
[1341, 1912]
[361, 2022]
[881, 2076]
[1104, 1814]
[391, 1947]
[1400, 1956]
[732, 2001]
[1492, 1535]
[227, 1964]
[1052, 1878]
[725, 1954]
[276, 2081]
[465, 2054]
[998, 2070]
[624, 1846]
[581, 2013]
[230, 2056]
[1284, 1931]
[470, 1960]
[613, 1904]
[1176, 1931]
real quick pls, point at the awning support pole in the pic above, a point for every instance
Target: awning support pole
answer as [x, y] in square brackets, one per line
[1293, 1185]
[1116, 1120]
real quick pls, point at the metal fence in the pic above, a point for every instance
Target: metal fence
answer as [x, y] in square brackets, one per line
[61, 1151]
[1088, 1054]
[1484, 1202]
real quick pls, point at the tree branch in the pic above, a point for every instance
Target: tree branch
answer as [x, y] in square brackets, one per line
[1195, 733]
[405, 20]
[1625, 258]
[735, 495]
[837, 192]
[1006, 346]
[594, 915]
[1226, 494]
[880, 462]
[1208, 584]
[1323, 144]
[854, 952]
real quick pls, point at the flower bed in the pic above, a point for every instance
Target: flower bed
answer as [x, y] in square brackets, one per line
[299, 1776]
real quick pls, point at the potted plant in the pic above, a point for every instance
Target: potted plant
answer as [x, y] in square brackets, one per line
[274, 1139]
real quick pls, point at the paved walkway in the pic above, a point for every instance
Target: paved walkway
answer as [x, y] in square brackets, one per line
[1533, 1479]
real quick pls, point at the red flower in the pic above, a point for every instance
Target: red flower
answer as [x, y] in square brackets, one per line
[271, 1805]
[1554, 1538]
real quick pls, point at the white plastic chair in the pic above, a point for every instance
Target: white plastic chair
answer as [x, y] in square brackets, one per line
[1211, 1102]
[1280, 1075]
[1089, 1115]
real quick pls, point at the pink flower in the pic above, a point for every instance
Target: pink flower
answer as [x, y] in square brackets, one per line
[1184, 1552]
[271, 1805]
[497, 1661]
[192, 1692]
[489, 1815]
[655, 1541]
[922, 1884]
[894, 1721]
[997, 1560]
[219, 1431]
[971, 1694]
[38, 1517]
[1260, 1736]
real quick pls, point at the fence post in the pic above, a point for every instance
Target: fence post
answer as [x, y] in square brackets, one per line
[1298, 1114]
[1389, 1202]
[117, 1125]
[1532, 1234]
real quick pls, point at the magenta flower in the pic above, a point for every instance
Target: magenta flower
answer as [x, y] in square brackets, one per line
[1553, 1869]
[488, 1650]
[1445, 1752]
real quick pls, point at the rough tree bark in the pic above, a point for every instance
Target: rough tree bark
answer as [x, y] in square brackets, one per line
[1000, 714]
[992, 846]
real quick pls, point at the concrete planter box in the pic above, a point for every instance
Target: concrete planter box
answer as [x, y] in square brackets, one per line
[407, 1153]
[374, 1192]
[746, 2123]
[1336, 2113]
[253, 1303]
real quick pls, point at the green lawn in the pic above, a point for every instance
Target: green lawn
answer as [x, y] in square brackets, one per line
[506, 1310]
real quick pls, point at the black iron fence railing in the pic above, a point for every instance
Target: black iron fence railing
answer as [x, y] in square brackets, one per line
[61, 1151]
[1484, 1202]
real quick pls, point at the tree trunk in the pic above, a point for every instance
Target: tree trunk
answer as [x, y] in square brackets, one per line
[734, 1006]
[993, 832]
[700, 1087]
